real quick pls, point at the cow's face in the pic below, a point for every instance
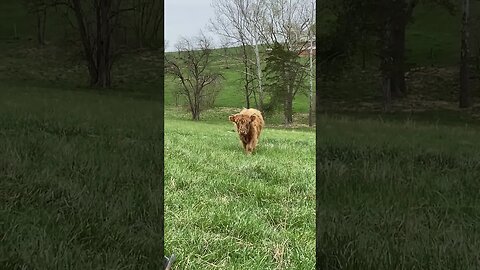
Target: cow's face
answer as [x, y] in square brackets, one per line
[243, 122]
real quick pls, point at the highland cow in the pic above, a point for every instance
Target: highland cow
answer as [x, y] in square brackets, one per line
[249, 124]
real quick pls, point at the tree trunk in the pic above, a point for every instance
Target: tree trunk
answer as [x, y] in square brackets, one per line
[255, 100]
[259, 74]
[288, 111]
[87, 44]
[103, 45]
[247, 81]
[465, 96]
[96, 45]
[397, 79]
[196, 113]
[288, 106]
[247, 97]
[310, 109]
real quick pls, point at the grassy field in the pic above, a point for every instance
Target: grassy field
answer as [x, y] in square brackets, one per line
[80, 169]
[76, 190]
[398, 195]
[225, 210]
[79, 174]
[400, 190]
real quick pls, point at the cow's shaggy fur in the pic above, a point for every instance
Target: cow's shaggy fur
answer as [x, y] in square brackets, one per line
[249, 124]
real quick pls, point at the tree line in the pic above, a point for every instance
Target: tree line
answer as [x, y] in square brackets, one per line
[103, 28]
[379, 26]
[270, 36]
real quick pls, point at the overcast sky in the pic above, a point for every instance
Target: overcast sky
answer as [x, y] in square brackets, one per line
[186, 18]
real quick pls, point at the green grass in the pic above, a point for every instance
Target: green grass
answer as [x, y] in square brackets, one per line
[398, 195]
[433, 36]
[79, 174]
[80, 170]
[226, 210]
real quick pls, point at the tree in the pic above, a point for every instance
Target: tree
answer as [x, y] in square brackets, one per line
[400, 13]
[465, 95]
[235, 20]
[311, 36]
[199, 84]
[286, 76]
[96, 43]
[96, 21]
[285, 26]
[383, 21]
[148, 18]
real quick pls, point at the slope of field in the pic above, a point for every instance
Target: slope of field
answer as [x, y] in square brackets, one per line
[79, 180]
[398, 195]
[226, 210]
[232, 92]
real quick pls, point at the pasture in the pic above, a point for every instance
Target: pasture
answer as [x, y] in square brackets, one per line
[80, 170]
[398, 194]
[226, 210]
[79, 174]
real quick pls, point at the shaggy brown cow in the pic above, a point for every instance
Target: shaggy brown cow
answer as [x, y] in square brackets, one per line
[249, 124]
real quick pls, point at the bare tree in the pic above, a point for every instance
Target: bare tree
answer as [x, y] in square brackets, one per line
[285, 22]
[235, 20]
[148, 16]
[199, 84]
[96, 21]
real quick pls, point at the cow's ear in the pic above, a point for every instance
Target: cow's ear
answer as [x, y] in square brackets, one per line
[232, 117]
[253, 117]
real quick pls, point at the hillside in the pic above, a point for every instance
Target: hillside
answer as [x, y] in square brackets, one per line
[79, 176]
[401, 195]
[231, 211]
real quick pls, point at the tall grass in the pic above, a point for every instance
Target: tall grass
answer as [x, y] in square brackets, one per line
[226, 210]
[79, 176]
[398, 196]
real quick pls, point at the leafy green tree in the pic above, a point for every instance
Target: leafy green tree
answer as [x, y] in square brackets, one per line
[285, 78]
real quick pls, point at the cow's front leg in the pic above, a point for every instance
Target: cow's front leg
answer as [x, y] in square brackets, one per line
[253, 144]
[244, 145]
[248, 149]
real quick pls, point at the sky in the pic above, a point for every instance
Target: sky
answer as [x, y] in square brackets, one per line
[185, 18]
